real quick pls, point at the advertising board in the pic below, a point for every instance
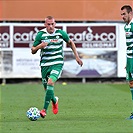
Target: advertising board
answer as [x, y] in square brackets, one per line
[97, 45]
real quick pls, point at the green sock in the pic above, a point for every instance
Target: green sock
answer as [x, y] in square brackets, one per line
[53, 99]
[131, 89]
[49, 96]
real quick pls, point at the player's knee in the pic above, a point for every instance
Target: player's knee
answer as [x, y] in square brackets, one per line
[50, 82]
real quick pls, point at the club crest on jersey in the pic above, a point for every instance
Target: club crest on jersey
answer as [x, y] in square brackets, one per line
[55, 40]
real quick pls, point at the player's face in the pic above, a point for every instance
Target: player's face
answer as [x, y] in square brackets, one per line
[50, 25]
[125, 15]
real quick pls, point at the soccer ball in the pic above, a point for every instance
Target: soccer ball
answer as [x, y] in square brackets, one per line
[33, 113]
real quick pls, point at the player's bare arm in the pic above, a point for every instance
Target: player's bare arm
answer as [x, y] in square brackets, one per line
[40, 46]
[73, 47]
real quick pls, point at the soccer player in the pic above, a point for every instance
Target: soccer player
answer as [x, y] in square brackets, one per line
[127, 16]
[50, 41]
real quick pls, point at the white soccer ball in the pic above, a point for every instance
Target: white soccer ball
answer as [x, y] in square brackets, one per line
[33, 113]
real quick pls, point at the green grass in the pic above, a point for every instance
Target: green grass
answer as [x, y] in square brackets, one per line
[83, 108]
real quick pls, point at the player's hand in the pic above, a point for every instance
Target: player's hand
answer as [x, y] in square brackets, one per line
[43, 45]
[79, 61]
[40, 46]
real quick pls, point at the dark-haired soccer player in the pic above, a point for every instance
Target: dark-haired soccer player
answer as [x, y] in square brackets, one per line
[50, 41]
[127, 16]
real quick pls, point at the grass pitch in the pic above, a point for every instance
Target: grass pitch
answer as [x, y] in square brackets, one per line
[83, 108]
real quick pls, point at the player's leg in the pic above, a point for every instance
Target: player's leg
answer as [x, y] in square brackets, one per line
[54, 76]
[129, 77]
[54, 73]
[49, 93]
[131, 89]
[45, 72]
[54, 99]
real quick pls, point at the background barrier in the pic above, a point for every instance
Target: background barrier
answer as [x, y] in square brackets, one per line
[101, 46]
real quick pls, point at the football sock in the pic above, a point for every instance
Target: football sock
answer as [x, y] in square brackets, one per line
[49, 96]
[53, 99]
[131, 89]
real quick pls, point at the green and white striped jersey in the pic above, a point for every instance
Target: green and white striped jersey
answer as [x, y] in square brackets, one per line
[53, 52]
[129, 39]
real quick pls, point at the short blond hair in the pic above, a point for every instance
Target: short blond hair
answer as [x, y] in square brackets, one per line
[49, 17]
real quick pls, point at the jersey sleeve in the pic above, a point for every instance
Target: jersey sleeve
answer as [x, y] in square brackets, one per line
[65, 36]
[37, 39]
